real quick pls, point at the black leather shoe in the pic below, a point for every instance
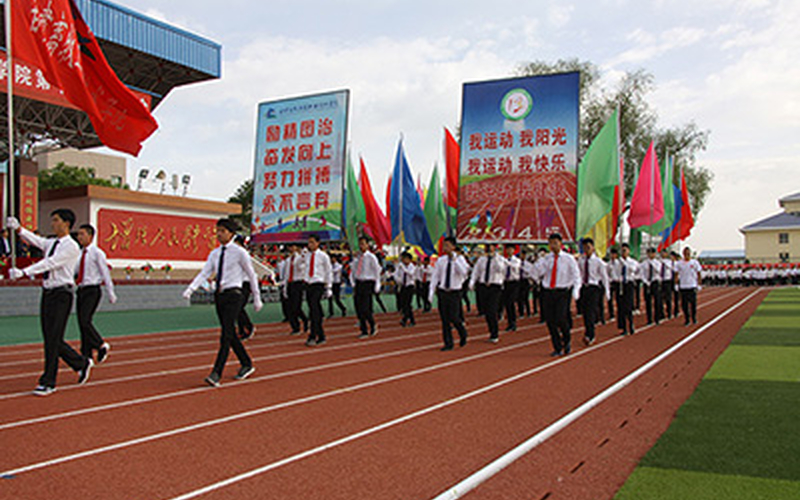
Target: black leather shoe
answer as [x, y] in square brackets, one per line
[462, 342]
[555, 354]
[446, 348]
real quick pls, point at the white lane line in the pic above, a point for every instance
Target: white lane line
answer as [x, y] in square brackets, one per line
[271, 408]
[400, 420]
[473, 481]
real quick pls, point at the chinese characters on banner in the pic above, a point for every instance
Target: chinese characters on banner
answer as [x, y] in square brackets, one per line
[29, 201]
[299, 168]
[140, 236]
[519, 148]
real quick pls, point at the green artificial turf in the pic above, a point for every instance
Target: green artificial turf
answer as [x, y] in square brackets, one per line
[749, 362]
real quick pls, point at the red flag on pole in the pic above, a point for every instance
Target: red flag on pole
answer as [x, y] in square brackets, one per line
[683, 227]
[377, 223]
[53, 35]
[452, 160]
[647, 203]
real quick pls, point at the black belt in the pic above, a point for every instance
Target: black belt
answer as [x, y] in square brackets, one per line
[233, 289]
[449, 291]
[62, 288]
[84, 287]
[557, 289]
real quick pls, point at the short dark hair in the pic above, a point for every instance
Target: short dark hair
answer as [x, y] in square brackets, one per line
[66, 215]
[614, 251]
[625, 245]
[88, 228]
[555, 236]
[228, 224]
[406, 254]
[651, 250]
[451, 240]
[510, 245]
[239, 239]
[364, 238]
[588, 241]
[314, 237]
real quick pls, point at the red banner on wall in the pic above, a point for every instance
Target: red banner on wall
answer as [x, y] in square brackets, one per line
[143, 236]
[29, 201]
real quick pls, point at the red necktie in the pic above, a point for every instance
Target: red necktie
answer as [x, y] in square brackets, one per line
[555, 271]
[291, 269]
[360, 265]
[81, 268]
[311, 267]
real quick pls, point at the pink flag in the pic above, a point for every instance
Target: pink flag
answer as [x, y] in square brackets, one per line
[647, 204]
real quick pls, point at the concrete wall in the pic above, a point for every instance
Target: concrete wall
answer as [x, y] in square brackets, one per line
[763, 246]
[108, 167]
[24, 300]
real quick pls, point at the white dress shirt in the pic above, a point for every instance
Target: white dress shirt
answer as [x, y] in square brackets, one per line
[321, 271]
[650, 271]
[95, 269]
[687, 273]
[336, 272]
[459, 271]
[567, 273]
[614, 270]
[405, 275]
[597, 274]
[513, 269]
[497, 271]
[296, 267]
[666, 269]
[236, 265]
[629, 270]
[60, 264]
[528, 270]
[365, 267]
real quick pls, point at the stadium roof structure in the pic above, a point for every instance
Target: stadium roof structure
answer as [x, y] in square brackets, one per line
[782, 220]
[150, 56]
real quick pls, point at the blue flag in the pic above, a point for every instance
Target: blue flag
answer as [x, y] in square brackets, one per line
[678, 209]
[407, 218]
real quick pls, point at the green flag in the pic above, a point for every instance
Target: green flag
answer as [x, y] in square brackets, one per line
[354, 210]
[669, 200]
[635, 243]
[598, 176]
[435, 215]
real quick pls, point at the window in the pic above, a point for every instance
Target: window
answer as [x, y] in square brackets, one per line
[784, 256]
[783, 238]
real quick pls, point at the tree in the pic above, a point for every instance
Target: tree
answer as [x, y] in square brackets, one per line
[244, 197]
[638, 123]
[63, 175]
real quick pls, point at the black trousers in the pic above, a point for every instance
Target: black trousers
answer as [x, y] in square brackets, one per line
[54, 310]
[285, 306]
[652, 300]
[229, 305]
[406, 298]
[667, 289]
[423, 289]
[88, 298]
[613, 299]
[591, 298]
[465, 298]
[689, 304]
[480, 298]
[536, 293]
[510, 299]
[491, 307]
[336, 297]
[314, 294]
[363, 298]
[451, 314]
[243, 320]
[625, 305]
[523, 298]
[296, 314]
[555, 308]
[676, 302]
[637, 295]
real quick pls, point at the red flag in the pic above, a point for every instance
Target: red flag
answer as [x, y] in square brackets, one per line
[683, 227]
[377, 223]
[388, 196]
[619, 202]
[452, 159]
[53, 35]
[647, 203]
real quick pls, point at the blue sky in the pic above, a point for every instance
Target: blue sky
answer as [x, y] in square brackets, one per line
[730, 66]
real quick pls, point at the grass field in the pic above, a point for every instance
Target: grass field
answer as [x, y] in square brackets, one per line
[737, 435]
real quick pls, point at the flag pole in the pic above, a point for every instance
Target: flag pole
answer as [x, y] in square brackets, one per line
[11, 171]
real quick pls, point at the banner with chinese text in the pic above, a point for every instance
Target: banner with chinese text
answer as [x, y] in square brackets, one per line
[299, 168]
[141, 236]
[29, 201]
[519, 149]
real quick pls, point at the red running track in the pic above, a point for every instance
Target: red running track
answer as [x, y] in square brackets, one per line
[389, 417]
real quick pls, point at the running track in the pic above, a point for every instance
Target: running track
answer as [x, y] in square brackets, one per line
[388, 417]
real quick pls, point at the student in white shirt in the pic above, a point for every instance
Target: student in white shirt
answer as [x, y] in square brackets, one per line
[449, 276]
[594, 286]
[424, 271]
[295, 287]
[650, 273]
[90, 273]
[366, 278]
[230, 264]
[336, 297]
[489, 273]
[613, 269]
[57, 267]
[404, 277]
[246, 327]
[319, 284]
[561, 281]
[629, 271]
[667, 284]
[688, 271]
[511, 287]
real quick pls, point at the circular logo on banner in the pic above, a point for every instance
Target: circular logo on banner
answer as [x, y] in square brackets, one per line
[516, 104]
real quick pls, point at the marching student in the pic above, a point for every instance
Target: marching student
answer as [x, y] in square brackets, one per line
[629, 270]
[688, 271]
[524, 294]
[366, 278]
[650, 273]
[465, 286]
[541, 254]
[676, 294]
[449, 275]
[295, 288]
[336, 272]
[229, 263]
[561, 281]
[594, 287]
[511, 287]
[319, 282]
[614, 271]
[57, 268]
[667, 284]
[424, 271]
[489, 273]
[91, 272]
[246, 327]
[281, 273]
[404, 278]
